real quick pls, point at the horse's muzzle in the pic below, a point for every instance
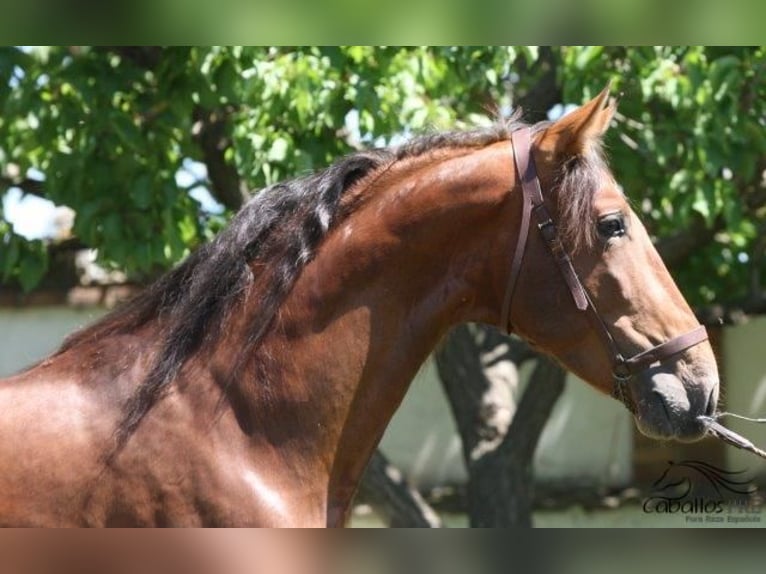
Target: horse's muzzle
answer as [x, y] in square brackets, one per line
[666, 408]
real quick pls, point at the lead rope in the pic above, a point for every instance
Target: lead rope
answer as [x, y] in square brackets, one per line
[717, 430]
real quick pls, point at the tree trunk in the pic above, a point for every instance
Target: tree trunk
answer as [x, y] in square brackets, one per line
[478, 367]
[384, 487]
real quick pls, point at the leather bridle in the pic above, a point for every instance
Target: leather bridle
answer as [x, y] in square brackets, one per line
[623, 369]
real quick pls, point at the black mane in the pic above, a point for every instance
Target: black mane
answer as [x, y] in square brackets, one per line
[282, 226]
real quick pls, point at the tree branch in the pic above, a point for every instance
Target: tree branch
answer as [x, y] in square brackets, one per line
[546, 92]
[210, 133]
[384, 487]
[143, 56]
[674, 249]
[28, 186]
[545, 386]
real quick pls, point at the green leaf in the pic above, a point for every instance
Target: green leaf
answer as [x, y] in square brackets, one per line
[586, 55]
[32, 268]
[278, 150]
[10, 256]
[701, 205]
[142, 191]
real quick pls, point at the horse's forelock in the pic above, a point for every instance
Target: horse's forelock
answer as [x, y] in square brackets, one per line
[578, 181]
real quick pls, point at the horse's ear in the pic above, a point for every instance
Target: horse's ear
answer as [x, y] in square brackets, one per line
[578, 131]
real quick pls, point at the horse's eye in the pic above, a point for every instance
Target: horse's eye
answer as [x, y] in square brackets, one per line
[612, 225]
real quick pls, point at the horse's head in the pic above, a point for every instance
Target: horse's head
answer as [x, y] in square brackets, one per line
[628, 286]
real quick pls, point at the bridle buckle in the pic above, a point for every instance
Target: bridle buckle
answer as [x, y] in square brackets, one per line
[547, 224]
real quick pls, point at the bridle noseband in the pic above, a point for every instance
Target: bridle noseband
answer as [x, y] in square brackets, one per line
[623, 369]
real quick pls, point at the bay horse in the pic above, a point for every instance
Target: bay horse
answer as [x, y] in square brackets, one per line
[250, 385]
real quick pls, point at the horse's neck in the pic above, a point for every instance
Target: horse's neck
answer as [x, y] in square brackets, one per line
[424, 251]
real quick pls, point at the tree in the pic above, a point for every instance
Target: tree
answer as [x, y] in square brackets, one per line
[110, 128]
[691, 149]
[107, 131]
[479, 369]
